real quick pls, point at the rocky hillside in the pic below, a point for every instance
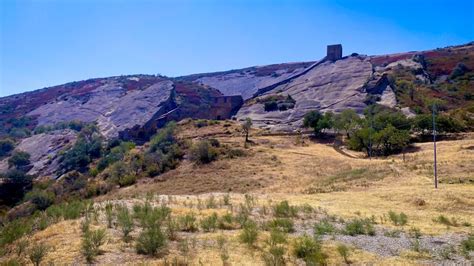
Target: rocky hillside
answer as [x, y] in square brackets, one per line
[275, 97]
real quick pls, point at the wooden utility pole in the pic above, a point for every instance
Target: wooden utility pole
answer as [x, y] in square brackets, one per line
[434, 147]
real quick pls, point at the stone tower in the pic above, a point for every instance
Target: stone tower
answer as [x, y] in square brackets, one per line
[334, 52]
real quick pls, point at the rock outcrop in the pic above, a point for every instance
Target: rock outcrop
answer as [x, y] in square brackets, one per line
[329, 86]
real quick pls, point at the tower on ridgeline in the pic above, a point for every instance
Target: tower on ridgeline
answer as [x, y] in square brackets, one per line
[334, 52]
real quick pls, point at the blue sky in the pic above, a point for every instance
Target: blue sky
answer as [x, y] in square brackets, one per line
[50, 42]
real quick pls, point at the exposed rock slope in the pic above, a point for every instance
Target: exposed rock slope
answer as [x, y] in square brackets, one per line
[329, 86]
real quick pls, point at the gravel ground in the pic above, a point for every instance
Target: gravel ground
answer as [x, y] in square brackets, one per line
[386, 246]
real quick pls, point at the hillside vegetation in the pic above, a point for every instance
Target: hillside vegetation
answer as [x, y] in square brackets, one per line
[288, 199]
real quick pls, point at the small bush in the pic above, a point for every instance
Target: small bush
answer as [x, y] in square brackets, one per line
[414, 232]
[41, 198]
[203, 153]
[283, 209]
[19, 159]
[344, 251]
[324, 227]
[150, 216]
[188, 223]
[13, 231]
[209, 224]
[446, 221]
[467, 245]
[151, 241]
[37, 253]
[125, 221]
[127, 180]
[275, 254]
[309, 249]
[359, 227]
[283, 224]
[226, 222]
[6, 146]
[398, 219]
[109, 214]
[91, 242]
[249, 233]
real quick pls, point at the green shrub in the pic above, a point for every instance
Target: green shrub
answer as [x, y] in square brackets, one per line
[274, 255]
[127, 180]
[209, 224]
[19, 159]
[309, 249]
[446, 221]
[467, 245]
[37, 253]
[125, 221]
[6, 146]
[109, 214]
[21, 246]
[398, 219]
[150, 216]
[359, 227]
[324, 227]
[283, 209]
[150, 241]
[249, 233]
[188, 223]
[91, 242]
[226, 222]
[202, 152]
[14, 230]
[41, 198]
[344, 251]
[13, 186]
[282, 224]
[87, 147]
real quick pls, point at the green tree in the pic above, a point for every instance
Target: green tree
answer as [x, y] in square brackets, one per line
[347, 121]
[319, 122]
[19, 159]
[6, 146]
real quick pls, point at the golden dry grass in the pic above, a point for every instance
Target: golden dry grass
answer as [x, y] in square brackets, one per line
[275, 169]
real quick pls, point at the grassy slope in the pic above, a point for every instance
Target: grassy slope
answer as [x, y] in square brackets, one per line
[277, 169]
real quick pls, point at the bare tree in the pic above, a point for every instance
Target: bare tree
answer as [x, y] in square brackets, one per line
[246, 127]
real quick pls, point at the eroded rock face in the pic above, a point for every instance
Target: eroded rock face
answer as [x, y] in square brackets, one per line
[113, 107]
[330, 86]
[246, 82]
[44, 149]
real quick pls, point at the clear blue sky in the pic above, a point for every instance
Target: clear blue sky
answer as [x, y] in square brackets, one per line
[50, 42]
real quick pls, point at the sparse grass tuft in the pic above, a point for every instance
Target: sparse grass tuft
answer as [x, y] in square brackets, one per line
[188, 223]
[284, 209]
[398, 219]
[283, 224]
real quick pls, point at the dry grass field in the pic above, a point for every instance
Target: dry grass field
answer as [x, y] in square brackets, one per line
[315, 179]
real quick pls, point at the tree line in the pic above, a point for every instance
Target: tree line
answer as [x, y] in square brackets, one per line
[381, 130]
